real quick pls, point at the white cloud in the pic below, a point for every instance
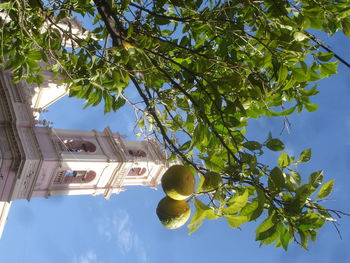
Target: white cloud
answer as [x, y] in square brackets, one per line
[140, 249]
[104, 229]
[119, 229]
[89, 257]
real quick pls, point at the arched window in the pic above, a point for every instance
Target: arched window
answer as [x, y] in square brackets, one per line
[137, 171]
[137, 153]
[77, 145]
[75, 177]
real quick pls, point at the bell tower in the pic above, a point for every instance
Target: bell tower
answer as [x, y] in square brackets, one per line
[77, 162]
[40, 161]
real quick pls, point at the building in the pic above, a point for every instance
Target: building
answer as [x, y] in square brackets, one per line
[39, 161]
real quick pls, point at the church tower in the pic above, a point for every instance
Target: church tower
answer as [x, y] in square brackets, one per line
[79, 162]
[39, 161]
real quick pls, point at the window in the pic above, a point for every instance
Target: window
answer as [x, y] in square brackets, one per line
[77, 145]
[75, 177]
[137, 153]
[137, 171]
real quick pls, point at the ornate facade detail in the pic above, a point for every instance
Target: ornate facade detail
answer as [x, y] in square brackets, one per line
[26, 182]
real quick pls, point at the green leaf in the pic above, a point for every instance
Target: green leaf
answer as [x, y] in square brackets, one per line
[130, 30]
[285, 239]
[6, 6]
[276, 179]
[212, 181]
[166, 32]
[97, 97]
[282, 74]
[220, 195]
[310, 221]
[266, 224]
[212, 164]
[108, 103]
[125, 4]
[311, 107]
[252, 145]
[315, 179]
[236, 203]
[303, 238]
[236, 221]
[198, 135]
[325, 56]
[305, 156]
[313, 234]
[275, 145]
[269, 236]
[185, 146]
[161, 21]
[345, 22]
[296, 177]
[300, 74]
[294, 207]
[39, 79]
[249, 209]
[284, 160]
[286, 112]
[310, 92]
[267, 228]
[261, 200]
[329, 68]
[266, 234]
[35, 55]
[85, 91]
[202, 212]
[326, 189]
[118, 103]
[56, 67]
[299, 36]
[200, 184]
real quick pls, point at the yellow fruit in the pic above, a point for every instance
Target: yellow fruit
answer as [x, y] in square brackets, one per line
[127, 45]
[178, 182]
[173, 213]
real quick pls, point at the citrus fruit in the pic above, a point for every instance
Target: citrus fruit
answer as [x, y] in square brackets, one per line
[178, 182]
[173, 213]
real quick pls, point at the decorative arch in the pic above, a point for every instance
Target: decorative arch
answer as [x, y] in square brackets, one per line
[75, 177]
[137, 171]
[137, 153]
[79, 145]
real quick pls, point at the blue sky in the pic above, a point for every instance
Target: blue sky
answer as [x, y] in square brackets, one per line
[85, 229]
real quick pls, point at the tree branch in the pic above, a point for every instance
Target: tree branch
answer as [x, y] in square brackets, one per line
[114, 26]
[152, 111]
[318, 42]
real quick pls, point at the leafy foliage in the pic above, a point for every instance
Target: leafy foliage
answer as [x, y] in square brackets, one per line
[201, 69]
